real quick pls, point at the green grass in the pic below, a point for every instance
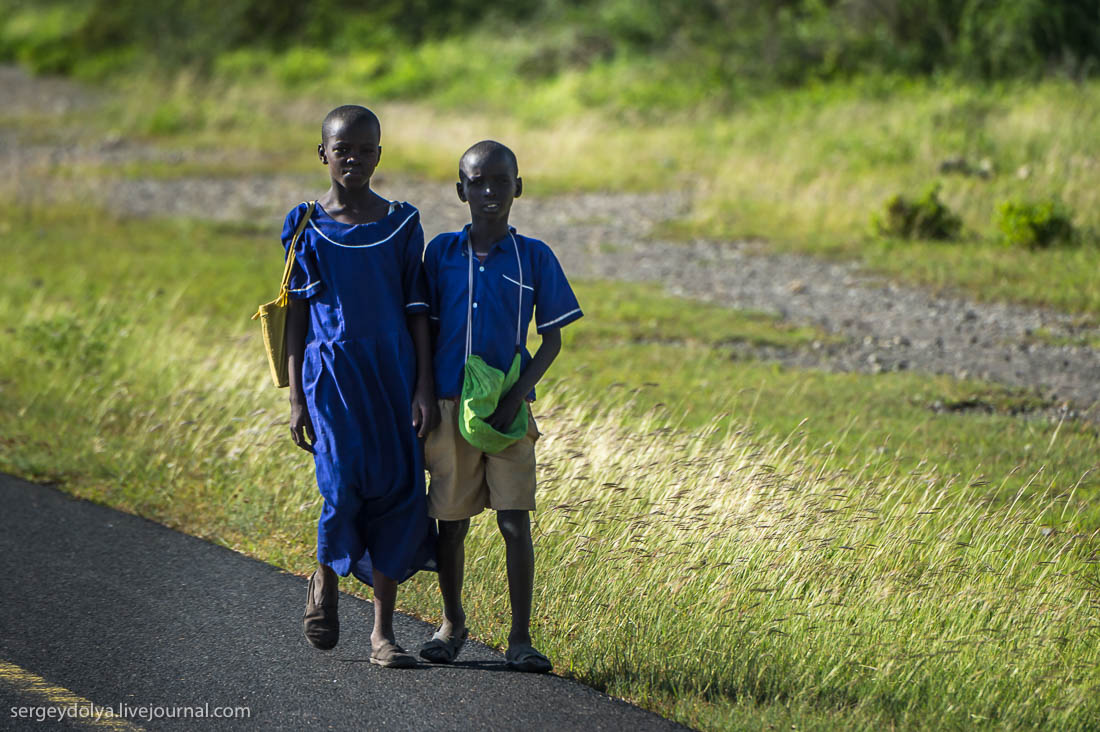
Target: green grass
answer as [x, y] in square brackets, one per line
[724, 541]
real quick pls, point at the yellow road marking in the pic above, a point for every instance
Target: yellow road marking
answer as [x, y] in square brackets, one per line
[46, 694]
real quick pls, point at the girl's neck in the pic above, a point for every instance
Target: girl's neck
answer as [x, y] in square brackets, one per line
[358, 206]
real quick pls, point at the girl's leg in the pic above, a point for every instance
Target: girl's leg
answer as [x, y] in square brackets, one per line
[327, 575]
[321, 621]
[452, 562]
[385, 598]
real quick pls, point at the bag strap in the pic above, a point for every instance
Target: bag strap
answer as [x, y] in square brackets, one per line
[519, 307]
[284, 293]
[470, 297]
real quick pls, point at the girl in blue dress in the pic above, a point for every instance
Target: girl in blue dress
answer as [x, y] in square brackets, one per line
[361, 384]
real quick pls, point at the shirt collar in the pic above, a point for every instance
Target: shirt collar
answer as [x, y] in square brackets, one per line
[464, 238]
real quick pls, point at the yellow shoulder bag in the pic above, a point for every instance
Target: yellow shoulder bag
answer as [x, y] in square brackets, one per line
[272, 315]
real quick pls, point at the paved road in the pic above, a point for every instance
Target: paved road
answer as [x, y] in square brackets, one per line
[116, 610]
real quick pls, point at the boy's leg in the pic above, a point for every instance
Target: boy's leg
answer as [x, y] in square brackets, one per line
[384, 648]
[452, 561]
[515, 526]
[457, 491]
[511, 478]
[447, 642]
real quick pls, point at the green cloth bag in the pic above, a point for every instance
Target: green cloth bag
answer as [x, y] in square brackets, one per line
[482, 388]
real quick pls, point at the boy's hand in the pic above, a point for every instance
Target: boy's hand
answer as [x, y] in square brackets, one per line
[505, 413]
[425, 411]
[301, 425]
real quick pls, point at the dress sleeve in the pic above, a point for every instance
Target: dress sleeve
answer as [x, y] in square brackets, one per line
[305, 278]
[555, 304]
[413, 283]
[431, 276]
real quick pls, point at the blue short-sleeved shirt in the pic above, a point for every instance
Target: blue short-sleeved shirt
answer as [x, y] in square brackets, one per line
[546, 296]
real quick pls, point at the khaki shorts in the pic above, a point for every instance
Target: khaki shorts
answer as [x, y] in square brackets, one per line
[465, 481]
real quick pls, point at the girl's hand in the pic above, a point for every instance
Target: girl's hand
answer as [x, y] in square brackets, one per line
[301, 425]
[425, 411]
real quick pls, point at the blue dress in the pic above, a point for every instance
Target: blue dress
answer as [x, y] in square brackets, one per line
[358, 375]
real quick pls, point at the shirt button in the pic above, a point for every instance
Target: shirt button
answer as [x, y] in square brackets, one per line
[475, 306]
[481, 269]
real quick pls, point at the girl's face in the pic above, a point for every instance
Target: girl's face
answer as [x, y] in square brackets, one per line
[351, 154]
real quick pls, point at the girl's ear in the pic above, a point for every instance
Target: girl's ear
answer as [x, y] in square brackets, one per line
[461, 192]
[321, 153]
[519, 187]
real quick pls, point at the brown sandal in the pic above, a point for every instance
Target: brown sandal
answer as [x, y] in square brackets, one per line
[321, 622]
[391, 655]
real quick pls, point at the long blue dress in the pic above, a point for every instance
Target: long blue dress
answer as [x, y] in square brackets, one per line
[358, 375]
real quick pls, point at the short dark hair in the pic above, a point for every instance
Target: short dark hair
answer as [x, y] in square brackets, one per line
[349, 115]
[487, 149]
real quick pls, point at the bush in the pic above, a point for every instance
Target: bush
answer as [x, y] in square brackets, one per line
[1036, 225]
[785, 42]
[927, 217]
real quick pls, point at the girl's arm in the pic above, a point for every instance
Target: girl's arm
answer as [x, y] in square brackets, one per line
[425, 411]
[297, 323]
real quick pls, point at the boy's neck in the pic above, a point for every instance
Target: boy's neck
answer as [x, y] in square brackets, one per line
[484, 234]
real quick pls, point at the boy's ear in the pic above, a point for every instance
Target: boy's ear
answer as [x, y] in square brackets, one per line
[461, 192]
[321, 153]
[519, 187]
[379, 152]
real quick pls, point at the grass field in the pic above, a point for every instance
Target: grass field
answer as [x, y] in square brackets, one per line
[726, 542]
[804, 170]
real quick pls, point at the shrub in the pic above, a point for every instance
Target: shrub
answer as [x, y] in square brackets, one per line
[1036, 224]
[927, 217]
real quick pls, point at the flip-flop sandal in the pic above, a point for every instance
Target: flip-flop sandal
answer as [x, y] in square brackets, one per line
[321, 623]
[525, 658]
[391, 655]
[444, 649]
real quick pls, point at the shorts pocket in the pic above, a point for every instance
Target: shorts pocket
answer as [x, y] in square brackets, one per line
[532, 426]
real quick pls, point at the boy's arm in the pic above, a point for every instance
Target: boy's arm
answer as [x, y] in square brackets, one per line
[510, 404]
[425, 410]
[297, 323]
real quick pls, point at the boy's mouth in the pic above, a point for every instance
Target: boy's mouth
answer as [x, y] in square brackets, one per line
[491, 206]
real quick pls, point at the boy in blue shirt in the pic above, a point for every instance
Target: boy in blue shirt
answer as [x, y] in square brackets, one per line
[485, 283]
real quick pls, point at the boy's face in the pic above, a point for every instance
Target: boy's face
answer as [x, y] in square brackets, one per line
[351, 153]
[489, 184]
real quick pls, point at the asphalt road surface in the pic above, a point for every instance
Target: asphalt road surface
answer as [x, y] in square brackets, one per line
[106, 614]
